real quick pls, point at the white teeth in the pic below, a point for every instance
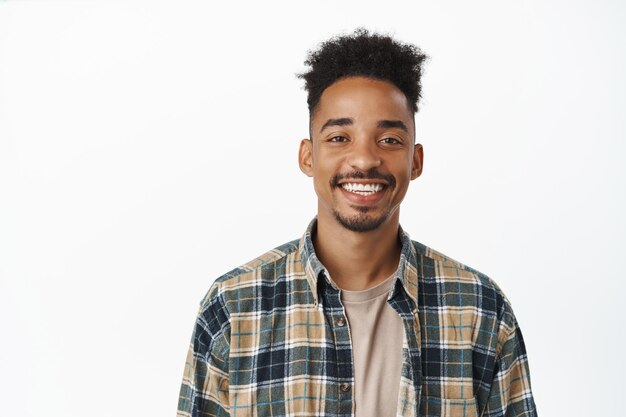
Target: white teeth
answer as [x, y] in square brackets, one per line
[363, 189]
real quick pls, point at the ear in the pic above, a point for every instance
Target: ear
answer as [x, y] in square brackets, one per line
[305, 157]
[418, 161]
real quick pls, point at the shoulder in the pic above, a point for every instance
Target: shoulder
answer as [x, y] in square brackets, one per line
[240, 282]
[457, 284]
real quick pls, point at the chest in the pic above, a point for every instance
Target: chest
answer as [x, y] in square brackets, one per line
[300, 359]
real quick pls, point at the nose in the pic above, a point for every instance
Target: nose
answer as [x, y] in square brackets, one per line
[364, 155]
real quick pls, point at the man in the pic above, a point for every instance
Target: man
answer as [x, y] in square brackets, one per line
[355, 318]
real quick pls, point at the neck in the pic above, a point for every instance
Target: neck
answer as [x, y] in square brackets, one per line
[357, 260]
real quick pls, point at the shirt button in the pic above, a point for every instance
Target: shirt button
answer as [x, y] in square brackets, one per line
[345, 387]
[340, 322]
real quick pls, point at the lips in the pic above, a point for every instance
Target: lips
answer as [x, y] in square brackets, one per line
[371, 176]
[363, 194]
[362, 188]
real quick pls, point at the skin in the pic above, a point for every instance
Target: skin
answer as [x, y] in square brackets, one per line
[361, 127]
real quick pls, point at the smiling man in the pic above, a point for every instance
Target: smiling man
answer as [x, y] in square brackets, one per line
[355, 318]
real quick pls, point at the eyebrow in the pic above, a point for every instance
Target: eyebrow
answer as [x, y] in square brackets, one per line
[343, 121]
[388, 124]
[384, 124]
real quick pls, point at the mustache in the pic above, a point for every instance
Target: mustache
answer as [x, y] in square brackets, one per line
[370, 174]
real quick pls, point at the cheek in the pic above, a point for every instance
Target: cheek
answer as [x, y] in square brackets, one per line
[323, 168]
[320, 179]
[317, 185]
[322, 174]
[403, 166]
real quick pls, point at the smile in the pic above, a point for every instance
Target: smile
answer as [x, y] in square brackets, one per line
[362, 189]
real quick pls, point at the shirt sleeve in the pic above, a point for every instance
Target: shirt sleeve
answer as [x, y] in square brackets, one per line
[204, 389]
[511, 394]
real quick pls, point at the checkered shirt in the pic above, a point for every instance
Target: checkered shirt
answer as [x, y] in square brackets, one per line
[268, 341]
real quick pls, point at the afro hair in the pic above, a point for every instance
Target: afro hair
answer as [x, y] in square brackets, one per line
[368, 55]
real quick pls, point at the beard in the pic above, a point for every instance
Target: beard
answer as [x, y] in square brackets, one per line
[362, 222]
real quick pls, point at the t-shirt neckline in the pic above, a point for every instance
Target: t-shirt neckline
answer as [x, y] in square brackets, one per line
[368, 294]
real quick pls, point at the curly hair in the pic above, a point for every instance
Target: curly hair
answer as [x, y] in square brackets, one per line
[365, 54]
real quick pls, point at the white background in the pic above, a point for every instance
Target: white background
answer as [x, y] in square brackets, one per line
[148, 147]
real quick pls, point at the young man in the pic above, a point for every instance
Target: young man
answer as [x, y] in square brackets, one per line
[355, 318]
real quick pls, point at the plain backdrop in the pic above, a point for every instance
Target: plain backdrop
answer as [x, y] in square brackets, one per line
[147, 147]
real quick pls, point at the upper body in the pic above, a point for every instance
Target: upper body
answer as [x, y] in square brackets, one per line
[268, 341]
[271, 336]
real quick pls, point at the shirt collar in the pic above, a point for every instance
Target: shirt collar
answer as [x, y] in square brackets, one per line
[406, 273]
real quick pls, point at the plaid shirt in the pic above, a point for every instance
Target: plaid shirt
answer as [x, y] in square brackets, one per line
[268, 341]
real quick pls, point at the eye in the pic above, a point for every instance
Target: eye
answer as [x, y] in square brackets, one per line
[390, 141]
[337, 139]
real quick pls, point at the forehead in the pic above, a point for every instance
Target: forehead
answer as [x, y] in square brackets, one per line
[363, 99]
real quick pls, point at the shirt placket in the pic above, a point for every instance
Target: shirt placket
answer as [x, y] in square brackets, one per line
[338, 322]
[407, 310]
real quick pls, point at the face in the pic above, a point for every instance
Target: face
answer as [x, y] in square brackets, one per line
[362, 154]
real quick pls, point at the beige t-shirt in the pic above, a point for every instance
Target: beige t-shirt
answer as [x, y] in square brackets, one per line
[377, 333]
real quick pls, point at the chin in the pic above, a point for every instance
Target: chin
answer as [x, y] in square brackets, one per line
[361, 222]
